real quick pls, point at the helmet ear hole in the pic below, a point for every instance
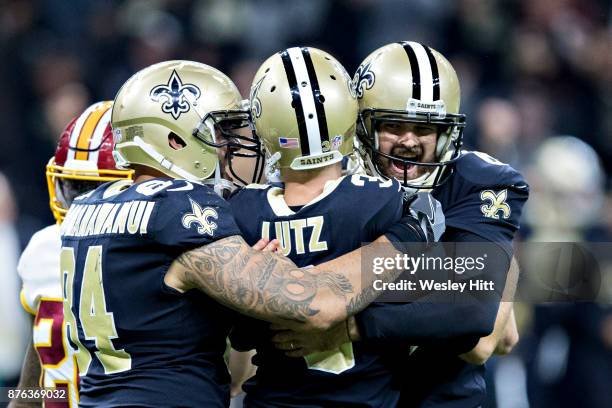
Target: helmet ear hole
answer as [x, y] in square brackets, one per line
[175, 141]
[273, 88]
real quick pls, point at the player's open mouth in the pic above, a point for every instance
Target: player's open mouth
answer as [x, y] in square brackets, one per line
[398, 166]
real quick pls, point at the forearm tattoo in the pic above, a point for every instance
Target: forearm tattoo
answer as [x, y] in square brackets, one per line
[361, 299]
[260, 284]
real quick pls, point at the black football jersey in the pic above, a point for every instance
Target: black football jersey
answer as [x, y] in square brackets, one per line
[484, 196]
[350, 211]
[142, 343]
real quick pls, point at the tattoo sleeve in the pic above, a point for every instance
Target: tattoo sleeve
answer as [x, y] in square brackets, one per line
[270, 287]
[260, 284]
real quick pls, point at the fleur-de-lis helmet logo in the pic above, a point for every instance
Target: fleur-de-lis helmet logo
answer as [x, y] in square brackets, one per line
[202, 218]
[364, 79]
[255, 102]
[496, 203]
[174, 96]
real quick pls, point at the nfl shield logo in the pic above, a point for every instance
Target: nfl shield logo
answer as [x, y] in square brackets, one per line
[336, 142]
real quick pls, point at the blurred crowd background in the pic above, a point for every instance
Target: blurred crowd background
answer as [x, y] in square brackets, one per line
[530, 70]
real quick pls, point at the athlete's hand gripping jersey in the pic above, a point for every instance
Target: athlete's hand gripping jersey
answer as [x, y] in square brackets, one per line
[140, 342]
[41, 295]
[350, 211]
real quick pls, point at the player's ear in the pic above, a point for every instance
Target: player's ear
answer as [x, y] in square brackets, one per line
[175, 141]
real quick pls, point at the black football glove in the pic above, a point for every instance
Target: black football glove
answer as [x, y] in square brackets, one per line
[427, 211]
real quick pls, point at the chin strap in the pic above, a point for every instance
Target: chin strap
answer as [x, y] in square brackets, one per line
[354, 165]
[224, 188]
[272, 171]
[422, 179]
[366, 161]
[162, 161]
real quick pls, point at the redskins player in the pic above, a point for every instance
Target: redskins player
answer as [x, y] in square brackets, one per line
[83, 160]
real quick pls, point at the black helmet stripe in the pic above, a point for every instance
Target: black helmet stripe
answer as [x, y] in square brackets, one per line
[425, 75]
[414, 65]
[296, 102]
[316, 94]
[434, 73]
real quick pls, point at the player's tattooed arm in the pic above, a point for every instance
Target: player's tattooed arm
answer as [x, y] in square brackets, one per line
[261, 284]
[268, 286]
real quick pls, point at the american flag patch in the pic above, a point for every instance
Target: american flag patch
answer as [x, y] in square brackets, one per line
[288, 143]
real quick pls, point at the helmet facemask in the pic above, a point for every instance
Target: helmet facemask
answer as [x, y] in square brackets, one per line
[409, 83]
[227, 130]
[192, 120]
[65, 183]
[449, 139]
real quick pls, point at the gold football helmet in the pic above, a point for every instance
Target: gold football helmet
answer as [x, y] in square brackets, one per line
[174, 116]
[83, 158]
[411, 83]
[304, 109]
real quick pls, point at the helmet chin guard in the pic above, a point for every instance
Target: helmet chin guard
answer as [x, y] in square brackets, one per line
[448, 147]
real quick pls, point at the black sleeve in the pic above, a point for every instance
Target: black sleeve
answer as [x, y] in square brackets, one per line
[242, 335]
[427, 321]
[387, 216]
